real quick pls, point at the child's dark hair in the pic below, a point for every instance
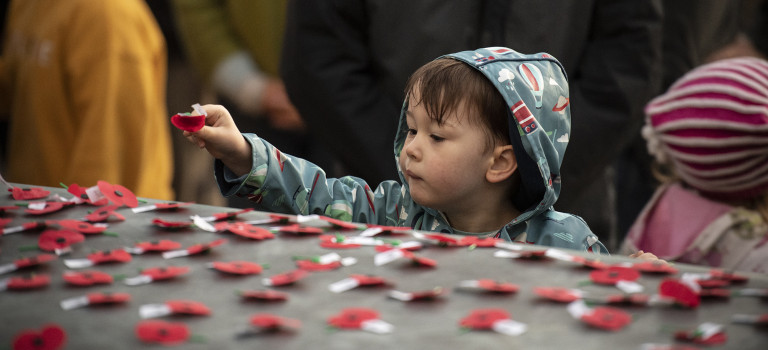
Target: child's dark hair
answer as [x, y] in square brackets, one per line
[445, 83]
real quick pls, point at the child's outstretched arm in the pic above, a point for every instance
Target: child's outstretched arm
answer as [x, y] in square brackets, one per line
[221, 138]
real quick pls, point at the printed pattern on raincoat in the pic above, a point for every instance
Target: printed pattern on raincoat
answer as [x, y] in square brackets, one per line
[536, 89]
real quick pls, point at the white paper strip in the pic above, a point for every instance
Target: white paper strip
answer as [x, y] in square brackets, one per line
[144, 208]
[410, 245]
[154, 310]
[175, 253]
[63, 251]
[753, 292]
[94, 194]
[469, 284]
[396, 294]
[629, 287]
[329, 258]
[14, 229]
[745, 318]
[506, 254]
[138, 280]
[72, 303]
[709, 329]
[202, 223]
[362, 240]
[36, 205]
[134, 250]
[260, 222]
[387, 257]
[348, 261]
[4, 284]
[7, 268]
[377, 326]
[558, 254]
[343, 285]
[578, 308]
[510, 327]
[508, 245]
[78, 263]
[199, 109]
[370, 232]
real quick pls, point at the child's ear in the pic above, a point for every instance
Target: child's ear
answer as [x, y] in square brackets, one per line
[503, 165]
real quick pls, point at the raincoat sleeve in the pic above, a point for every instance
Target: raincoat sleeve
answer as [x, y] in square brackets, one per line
[279, 182]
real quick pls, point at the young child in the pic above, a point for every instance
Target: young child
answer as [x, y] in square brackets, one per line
[480, 142]
[710, 130]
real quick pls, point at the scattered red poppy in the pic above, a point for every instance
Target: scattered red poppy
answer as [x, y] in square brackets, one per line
[431, 294]
[335, 242]
[488, 242]
[368, 280]
[33, 261]
[27, 282]
[162, 245]
[237, 267]
[713, 283]
[188, 122]
[205, 247]
[301, 230]
[269, 322]
[264, 295]
[353, 318]
[51, 337]
[4, 222]
[483, 318]
[310, 265]
[7, 208]
[87, 278]
[442, 240]
[79, 226]
[104, 213]
[108, 256]
[340, 224]
[606, 317]
[496, 287]
[631, 299]
[108, 298]
[590, 263]
[654, 267]
[682, 293]
[162, 332]
[188, 307]
[420, 260]
[50, 207]
[249, 231]
[389, 230]
[706, 334]
[118, 194]
[81, 195]
[51, 240]
[285, 278]
[230, 215]
[721, 293]
[174, 225]
[732, 277]
[164, 273]
[562, 295]
[613, 274]
[21, 194]
[27, 226]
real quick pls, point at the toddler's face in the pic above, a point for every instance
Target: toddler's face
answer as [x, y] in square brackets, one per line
[444, 165]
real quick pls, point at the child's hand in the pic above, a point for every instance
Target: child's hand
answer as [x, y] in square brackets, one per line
[221, 138]
[645, 256]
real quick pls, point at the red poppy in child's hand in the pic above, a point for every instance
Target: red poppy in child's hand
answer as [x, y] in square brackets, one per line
[188, 122]
[51, 240]
[51, 337]
[353, 318]
[21, 194]
[483, 318]
[161, 332]
[118, 194]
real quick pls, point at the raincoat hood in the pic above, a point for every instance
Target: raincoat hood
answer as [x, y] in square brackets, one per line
[535, 88]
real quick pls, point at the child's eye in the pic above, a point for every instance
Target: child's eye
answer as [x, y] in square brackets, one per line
[411, 131]
[437, 138]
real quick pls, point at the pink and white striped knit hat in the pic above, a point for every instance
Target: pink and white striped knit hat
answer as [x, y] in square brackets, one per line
[712, 125]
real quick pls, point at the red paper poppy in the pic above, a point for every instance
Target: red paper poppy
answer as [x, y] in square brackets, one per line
[335, 241]
[230, 215]
[4, 222]
[271, 322]
[715, 293]
[287, 278]
[118, 194]
[172, 224]
[614, 274]
[654, 267]
[51, 240]
[368, 280]
[205, 247]
[108, 298]
[5, 209]
[104, 213]
[79, 226]
[488, 242]
[392, 230]
[310, 265]
[386, 247]
[162, 332]
[713, 283]
[421, 295]
[301, 230]
[344, 225]
[497, 287]
[353, 318]
[697, 337]
[171, 206]
[237, 267]
[483, 318]
[264, 295]
[632, 299]
[51, 337]
[422, 261]
[250, 231]
[590, 263]
[25, 227]
[28, 282]
[188, 307]
[107, 256]
[682, 293]
[163, 245]
[50, 207]
[442, 239]
[80, 193]
[734, 278]
[35, 260]
[188, 122]
[563, 295]
[606, 317]
[164, 273]
[87, 278]
[22, 194]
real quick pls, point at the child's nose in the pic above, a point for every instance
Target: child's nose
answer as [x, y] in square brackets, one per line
[412, 148]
